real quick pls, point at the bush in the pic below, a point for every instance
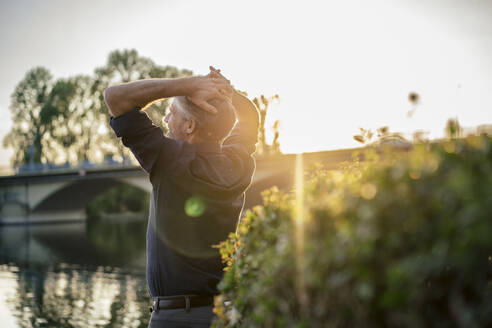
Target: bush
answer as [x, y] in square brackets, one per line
[403, 242]
[123, 198]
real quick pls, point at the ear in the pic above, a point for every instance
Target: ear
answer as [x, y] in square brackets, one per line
[190, 126]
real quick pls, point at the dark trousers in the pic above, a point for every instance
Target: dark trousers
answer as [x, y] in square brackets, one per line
[178, 318]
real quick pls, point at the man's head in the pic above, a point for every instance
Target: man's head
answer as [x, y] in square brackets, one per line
[188, 122]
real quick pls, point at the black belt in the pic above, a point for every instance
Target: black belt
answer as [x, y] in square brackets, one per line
[180, 302]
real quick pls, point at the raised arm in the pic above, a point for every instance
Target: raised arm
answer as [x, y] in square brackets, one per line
[122, 98]
[245, 132]
[246, 111]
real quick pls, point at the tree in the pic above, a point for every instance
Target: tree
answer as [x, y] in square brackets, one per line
[125, 66]
[263, 147]
[453, 129]
[275, 147]
[31, 117]
[67, 119]
[76, 134]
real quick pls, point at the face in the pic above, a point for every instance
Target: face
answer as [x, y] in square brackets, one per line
[176, 123]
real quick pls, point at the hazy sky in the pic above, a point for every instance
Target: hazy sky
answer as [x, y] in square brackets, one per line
[337, 65]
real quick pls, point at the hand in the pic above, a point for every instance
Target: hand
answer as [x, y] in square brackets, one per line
[205, 88]
[215, 73]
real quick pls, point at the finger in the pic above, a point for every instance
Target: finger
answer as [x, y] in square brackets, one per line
[229, 103]
[207, 107]
[222, 82]
[228, 91]
[222, 96]
[214, 74]
[215, 69]
[218, 84]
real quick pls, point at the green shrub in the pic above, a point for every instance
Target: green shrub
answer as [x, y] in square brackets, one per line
[404, 242]
[122, 198]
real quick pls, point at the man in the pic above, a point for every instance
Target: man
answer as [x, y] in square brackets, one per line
[199, 173]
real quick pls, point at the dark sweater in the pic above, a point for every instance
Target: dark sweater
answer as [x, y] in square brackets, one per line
[197, 199]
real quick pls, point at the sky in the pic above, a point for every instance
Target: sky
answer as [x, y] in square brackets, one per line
[336, 65]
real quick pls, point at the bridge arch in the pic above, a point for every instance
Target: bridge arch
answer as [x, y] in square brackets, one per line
[77, 194]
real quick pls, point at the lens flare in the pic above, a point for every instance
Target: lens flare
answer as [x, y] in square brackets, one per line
[299, 238]
[194, 207]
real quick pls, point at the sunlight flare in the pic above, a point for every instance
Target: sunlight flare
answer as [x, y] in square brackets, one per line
[299, 237]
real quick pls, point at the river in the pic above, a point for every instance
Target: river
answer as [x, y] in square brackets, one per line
[85, 274]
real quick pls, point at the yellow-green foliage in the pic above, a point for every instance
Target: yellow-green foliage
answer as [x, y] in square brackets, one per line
[404, 242]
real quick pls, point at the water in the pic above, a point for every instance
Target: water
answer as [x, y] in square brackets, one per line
[89, 274]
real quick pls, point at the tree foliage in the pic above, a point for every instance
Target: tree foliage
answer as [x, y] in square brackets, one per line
[263, 103]
[31, 116]
[122, 198]
[453, 129]
[67, 120]
[398, 242]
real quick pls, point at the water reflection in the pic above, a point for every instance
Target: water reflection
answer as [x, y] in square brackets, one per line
[74, 275]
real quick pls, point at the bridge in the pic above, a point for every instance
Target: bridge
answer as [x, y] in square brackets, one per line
[62, 195]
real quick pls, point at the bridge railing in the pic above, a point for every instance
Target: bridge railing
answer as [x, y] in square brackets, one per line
[30, 168]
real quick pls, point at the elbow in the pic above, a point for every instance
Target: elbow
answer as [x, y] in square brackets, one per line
[107, 93]
[109, 99]
[118, 101]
